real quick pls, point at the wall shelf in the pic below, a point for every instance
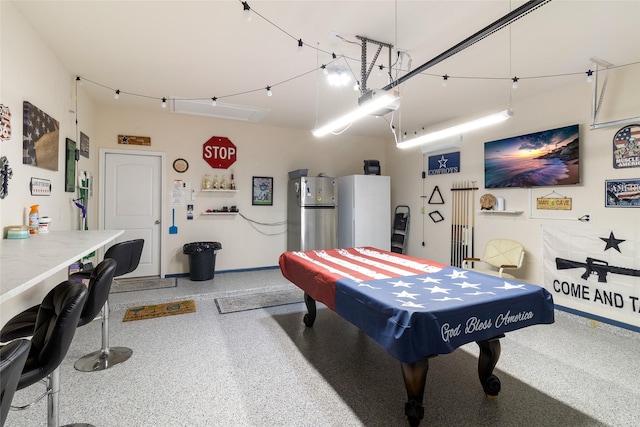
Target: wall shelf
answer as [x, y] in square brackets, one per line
[492, 212]
[220, 191]
[219, 213]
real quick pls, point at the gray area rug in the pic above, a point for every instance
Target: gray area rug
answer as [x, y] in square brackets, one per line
[142, 284]
[237, 303]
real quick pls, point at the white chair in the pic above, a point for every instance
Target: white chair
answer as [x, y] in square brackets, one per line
[500, 255]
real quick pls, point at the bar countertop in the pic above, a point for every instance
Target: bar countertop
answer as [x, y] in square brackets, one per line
[26, 262]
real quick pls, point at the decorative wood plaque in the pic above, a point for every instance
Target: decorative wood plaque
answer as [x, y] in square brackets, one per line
[134, 140]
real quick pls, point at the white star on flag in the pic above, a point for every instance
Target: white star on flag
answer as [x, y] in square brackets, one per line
[400, 283]
[410, 304]
[466, 284]
[429, 280]
[405, 294]
[457, 274]
[447, 299]
[508, 286]
[438, 290]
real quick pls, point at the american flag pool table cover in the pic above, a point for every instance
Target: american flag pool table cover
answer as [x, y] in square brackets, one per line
[415, 308]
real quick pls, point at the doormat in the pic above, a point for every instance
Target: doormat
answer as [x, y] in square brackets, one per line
[262, 300]
[142, 284]
[159, 310]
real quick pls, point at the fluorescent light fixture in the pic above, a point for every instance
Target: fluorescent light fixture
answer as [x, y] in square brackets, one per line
[443, 144]
[456, 130]
[380, 101]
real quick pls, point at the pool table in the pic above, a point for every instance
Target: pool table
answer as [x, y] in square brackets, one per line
[417, 309]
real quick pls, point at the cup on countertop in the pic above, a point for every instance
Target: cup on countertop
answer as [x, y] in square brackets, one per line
[43, 227]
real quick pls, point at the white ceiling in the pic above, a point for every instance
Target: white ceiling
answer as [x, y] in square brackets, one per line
[202, 49]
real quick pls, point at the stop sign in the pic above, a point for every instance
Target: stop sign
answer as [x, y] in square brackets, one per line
[219, 152]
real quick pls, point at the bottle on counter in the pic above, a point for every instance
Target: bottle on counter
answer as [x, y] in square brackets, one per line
[34, 220]
[206, 182]
[232, 184]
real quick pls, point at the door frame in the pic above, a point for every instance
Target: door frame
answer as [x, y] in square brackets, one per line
[101, 171]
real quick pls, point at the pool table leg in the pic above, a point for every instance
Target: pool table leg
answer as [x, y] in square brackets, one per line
[489, 355]
[415, 376]
[310, 317]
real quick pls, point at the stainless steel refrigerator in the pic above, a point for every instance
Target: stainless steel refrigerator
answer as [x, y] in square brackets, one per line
[312, 218]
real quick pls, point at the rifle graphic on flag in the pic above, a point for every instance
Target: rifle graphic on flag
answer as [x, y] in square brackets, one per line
[595, 266]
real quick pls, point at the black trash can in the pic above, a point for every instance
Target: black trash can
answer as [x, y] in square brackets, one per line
[202, 259]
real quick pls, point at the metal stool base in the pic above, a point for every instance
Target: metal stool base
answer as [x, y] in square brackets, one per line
[103, 359]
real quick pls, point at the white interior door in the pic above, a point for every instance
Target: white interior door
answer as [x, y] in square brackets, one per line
[132, 201]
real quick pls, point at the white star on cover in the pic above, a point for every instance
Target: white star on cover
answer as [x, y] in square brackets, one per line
[507, 286]
[438, 290]
[402, 284]
[457, 274]
[429, 280]
[466, 284]
[405, 294]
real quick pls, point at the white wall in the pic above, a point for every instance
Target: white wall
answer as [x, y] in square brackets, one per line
[30, 72]
[547, 111]
[261, 151]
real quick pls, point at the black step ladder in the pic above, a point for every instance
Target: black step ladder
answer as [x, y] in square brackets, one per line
[400, 231]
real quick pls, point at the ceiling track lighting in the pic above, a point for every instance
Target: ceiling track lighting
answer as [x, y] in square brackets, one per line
[300, 46]
[460, 129]
[246, 11]
[164, 102]
[445, 79]
[325, 71]
[269, 93]
[515, 83]
[116, 95]
[79, 80]
[214, 101]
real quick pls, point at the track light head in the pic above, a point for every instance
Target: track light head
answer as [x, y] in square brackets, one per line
[515, 83]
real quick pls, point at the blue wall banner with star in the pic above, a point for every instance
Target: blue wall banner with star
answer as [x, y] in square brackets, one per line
[444, 163]
[594, 272]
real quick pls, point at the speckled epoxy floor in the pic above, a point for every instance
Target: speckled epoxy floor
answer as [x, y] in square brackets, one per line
[265, 368]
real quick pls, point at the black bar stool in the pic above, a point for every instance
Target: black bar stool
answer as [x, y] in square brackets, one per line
[127, 257]
[56, 324]
[12, 359]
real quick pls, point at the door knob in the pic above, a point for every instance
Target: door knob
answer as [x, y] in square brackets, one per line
[157, 221]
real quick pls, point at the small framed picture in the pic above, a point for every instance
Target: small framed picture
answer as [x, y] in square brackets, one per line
[622, 193]
[262, 191]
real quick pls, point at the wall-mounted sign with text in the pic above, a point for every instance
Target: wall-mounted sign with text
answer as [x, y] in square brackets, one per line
[444, 163]
[219, 152]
